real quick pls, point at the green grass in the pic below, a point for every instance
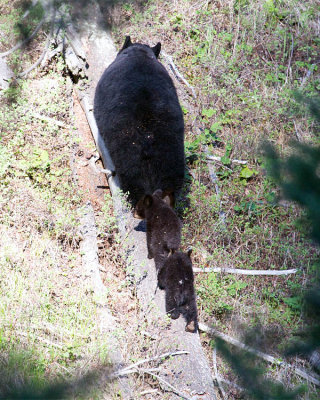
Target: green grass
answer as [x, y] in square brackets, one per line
[48, 313]
[240, 60]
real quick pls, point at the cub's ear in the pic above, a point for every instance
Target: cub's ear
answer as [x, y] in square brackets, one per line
[189, 252]
[148, 200]
[168, 197]
[158, 193]
[156, 49]
[127, 43]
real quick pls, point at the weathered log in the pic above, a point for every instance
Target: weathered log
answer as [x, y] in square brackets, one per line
[191, 374]
[91, 266]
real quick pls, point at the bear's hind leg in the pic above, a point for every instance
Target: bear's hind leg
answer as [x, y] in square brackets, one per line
[171, 306]
[189, 311]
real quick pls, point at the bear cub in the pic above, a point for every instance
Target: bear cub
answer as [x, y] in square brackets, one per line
[176, 278]
[163, 225]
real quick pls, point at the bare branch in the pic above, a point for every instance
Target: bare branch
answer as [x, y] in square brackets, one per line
[238, 271]
[175, 390]
[126, 370]
[214, 360]
[290, 58]
[176, 72]
[33, 66]
[315, 379]
[50, 120]
[42, 340]
[217, 158]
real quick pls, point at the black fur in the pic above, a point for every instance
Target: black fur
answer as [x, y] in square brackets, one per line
[176, 278]
[139, 117]
[163, 225]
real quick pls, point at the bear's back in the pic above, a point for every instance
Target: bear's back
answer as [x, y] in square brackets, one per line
[179, 269]
[139, 117]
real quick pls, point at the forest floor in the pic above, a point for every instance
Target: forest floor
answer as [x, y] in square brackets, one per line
[242, 61]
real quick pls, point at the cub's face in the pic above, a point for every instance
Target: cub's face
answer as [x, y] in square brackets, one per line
[143, 204]
[139, 211]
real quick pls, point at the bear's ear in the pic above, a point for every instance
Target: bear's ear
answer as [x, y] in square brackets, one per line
[148, 200]
[127, 43]
[156, 49]
[189, 252]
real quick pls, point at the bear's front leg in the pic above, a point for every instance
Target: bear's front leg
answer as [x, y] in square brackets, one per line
[149, 245]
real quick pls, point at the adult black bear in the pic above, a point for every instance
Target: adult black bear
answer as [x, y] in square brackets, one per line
[176, 278]
[163, 225]
[139, 117]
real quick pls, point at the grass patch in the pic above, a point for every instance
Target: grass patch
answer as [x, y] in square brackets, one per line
[245, 60]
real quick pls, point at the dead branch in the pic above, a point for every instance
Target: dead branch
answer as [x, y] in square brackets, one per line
[238, 271]
[214, 179]
[50, 120]
[217, 158]
[236, 36]
[297, 131]
[174, 390]
[177, 74]
[42, 340]
[33, 66]
[150, 391]
[315, 379]
[128, 370]
[25, 41]
[290, 59]
[214, 360]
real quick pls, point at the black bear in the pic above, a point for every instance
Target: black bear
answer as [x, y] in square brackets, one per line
[140, 119]
[163, 225]
[176, 278]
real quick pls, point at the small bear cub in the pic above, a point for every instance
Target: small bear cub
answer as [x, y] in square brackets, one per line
[163, 225]
[176, 278]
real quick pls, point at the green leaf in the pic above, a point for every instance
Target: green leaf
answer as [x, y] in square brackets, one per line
[208, 112]
[216, 127]
[246, 173]
[225, 160]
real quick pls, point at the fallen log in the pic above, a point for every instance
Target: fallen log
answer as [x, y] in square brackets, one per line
[191, 375]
